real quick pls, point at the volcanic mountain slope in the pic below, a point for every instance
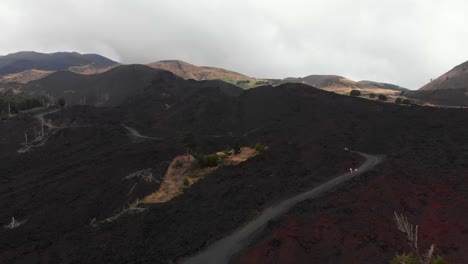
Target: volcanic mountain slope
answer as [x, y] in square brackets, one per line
[456, 78]
[76, 178]
[115, 86]
[342, 85]
[444, 97]
[25, 76]
[190, 71]
[26, 66]
[450, 89]
[334, 81]
[381, 85]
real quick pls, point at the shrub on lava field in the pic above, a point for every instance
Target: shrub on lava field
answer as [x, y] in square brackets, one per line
[227, 152]
[204, 161]
[355, 93]
[398, 100]
[186, 182]
[222, 158]
[177, 164]
[372, 95]
[259, 147]
[404, 259]
[382, 97]
[406, 101]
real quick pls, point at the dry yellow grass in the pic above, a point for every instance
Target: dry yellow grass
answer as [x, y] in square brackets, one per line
[26, 76]
[181, 169]
[391, 95]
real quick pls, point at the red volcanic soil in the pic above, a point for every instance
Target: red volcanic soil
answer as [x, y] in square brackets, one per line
[358, 227]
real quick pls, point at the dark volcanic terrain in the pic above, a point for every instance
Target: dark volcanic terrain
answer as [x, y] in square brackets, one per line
[80, 175]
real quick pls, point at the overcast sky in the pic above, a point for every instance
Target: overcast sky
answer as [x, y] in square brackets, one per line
[405, 42]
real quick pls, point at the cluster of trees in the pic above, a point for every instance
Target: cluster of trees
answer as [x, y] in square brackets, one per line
[262, 82]
[11, 103]
[355, 93]
[381, 97]
[242, 82]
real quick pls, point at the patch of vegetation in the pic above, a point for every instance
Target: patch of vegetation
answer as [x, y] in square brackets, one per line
[372, 95]
[262, 83]
[222, 158]
[398, 100]
[382, 97]
[183, 188]
[204, 161]
[406, 101]
[19, 102]
[355, 93]
[227, 152]
[134, 204]
[240, 82]
[260, 148]
[186, 182]
[194, 174]
[178, 164]
[404, 259]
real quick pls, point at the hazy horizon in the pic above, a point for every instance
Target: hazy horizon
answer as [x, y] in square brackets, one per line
[400, 42]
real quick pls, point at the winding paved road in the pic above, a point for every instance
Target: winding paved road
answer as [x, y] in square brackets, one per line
[221, 251]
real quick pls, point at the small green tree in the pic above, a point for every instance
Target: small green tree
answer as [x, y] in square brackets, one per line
[178, 164]
[355, 93]
[260, 148]
[382, 97]
[186, 182]
[204, 161]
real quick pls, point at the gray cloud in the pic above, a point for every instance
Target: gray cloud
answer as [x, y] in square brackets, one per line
[405, 42]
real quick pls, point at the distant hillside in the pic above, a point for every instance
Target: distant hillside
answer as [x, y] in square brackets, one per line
[456, 78]
[343, 85]
[190, 71]
[25, 76]
[370, 84]
[23, 61]
[321, 81]
[335, 81]
[117, 85]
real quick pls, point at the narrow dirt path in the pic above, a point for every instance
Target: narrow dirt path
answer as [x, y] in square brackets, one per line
[41, 119]
[134, 133]
[221, 251]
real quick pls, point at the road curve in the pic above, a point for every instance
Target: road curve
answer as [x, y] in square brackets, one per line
[41, 119]
[221, 251]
